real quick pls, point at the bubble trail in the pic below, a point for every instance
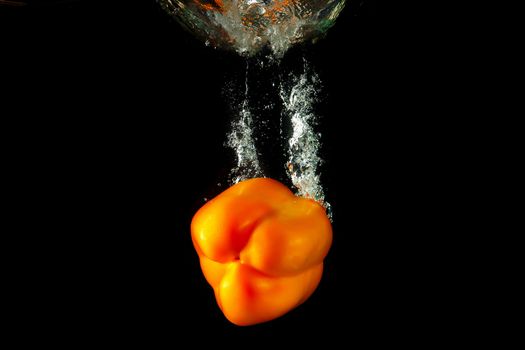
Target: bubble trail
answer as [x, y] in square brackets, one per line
[299, 95]
[241, 140]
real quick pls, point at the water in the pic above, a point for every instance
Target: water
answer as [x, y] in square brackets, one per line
[247, 26]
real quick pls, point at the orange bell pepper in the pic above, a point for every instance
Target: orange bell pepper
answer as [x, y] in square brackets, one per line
[261, 248]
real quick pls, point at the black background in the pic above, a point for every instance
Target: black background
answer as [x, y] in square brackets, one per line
[125, 118]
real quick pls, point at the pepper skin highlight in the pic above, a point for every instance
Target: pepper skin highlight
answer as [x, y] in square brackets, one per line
[261, 248]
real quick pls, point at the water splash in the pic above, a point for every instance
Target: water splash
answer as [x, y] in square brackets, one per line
[247, 39]
[299, 95]
[247, 26]
[241, 140]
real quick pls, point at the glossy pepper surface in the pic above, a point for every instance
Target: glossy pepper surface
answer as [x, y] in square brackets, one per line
[261, 248]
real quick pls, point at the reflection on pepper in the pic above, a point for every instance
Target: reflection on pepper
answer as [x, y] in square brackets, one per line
[274, 10]
[210, 4]
[261, 249]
